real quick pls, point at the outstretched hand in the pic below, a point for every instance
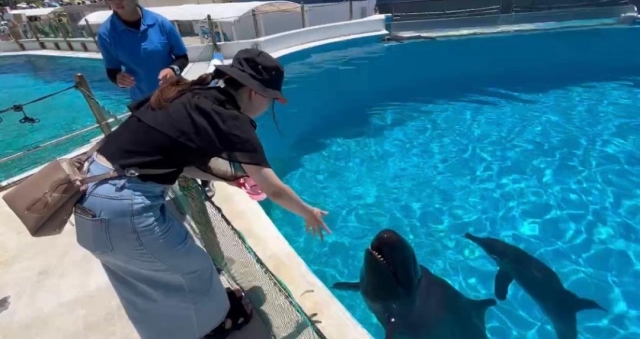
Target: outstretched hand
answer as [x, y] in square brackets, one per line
[165, 75]
[315, 224]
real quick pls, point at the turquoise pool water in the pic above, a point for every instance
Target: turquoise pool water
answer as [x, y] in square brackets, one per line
[28, 77]
[531, 138]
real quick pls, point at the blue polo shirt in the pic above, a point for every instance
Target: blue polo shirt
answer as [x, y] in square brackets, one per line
[142, 54]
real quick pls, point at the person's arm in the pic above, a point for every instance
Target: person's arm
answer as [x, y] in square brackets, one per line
[111, 61]
[233, 135]
[181, 61]
[277, 191]
[176, 46]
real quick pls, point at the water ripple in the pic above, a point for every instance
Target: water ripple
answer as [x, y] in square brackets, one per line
[561, 183]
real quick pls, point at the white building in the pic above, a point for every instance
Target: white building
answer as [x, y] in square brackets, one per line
[247, 20]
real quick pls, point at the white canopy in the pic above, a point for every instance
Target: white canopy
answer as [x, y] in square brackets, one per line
[36, 11]
[220, 12]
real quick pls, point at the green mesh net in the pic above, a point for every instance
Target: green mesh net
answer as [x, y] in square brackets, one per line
[279, 316]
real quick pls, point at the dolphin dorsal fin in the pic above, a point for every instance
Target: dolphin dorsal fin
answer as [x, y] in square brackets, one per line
[501, 284]
[483, 305]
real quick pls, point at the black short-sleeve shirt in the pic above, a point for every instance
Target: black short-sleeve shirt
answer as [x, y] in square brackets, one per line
[201, 124]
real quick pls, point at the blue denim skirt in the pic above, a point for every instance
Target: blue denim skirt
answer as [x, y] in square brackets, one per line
[167, 284]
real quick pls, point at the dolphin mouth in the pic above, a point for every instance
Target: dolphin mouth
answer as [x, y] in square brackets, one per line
[378, 255]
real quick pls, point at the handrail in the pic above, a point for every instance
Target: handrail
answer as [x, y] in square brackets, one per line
[453, 12]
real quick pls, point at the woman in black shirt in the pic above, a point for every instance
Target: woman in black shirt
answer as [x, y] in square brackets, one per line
[167, 284]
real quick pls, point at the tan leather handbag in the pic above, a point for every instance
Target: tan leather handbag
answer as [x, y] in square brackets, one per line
[44, 202]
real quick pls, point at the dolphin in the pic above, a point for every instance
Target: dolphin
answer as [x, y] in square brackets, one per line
[408, 300]
[539, 281]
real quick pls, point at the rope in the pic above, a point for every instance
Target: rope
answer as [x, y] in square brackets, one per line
[53, 142]
[209, 41]
[20, 107]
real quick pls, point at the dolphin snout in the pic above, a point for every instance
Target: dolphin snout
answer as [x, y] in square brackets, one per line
[471, 237]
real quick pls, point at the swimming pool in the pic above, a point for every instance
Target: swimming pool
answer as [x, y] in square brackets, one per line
[28, 77]
[531, 138]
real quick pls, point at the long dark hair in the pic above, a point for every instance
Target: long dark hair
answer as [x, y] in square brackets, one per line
[177, 86]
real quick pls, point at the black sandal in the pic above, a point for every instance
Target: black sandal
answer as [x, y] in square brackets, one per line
[236, 318]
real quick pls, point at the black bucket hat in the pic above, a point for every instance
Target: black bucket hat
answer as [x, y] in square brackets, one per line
[257, 70]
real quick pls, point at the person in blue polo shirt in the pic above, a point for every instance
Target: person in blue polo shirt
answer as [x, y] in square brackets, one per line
[140, 48]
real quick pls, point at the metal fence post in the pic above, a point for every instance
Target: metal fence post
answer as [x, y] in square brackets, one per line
[393, 11]
[212, 34]
[83, 86]
[15, 33]
[93, 36]
[350, 9]
[255, 22]
[20, 45]
[303, 14]
[506, 6]
[35, 35]
[63, 33]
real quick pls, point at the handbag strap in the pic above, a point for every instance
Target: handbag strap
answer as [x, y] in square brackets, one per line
[117, 172]
[83, 157]
[128, 172]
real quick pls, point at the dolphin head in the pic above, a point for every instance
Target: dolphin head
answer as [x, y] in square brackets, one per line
[496, 249]
[391, 273]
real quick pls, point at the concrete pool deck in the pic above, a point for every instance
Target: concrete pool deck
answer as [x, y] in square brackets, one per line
[52, 288]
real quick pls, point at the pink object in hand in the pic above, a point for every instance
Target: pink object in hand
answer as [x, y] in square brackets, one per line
[251, 188]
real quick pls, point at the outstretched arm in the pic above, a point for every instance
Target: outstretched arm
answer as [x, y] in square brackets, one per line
[275, 189]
